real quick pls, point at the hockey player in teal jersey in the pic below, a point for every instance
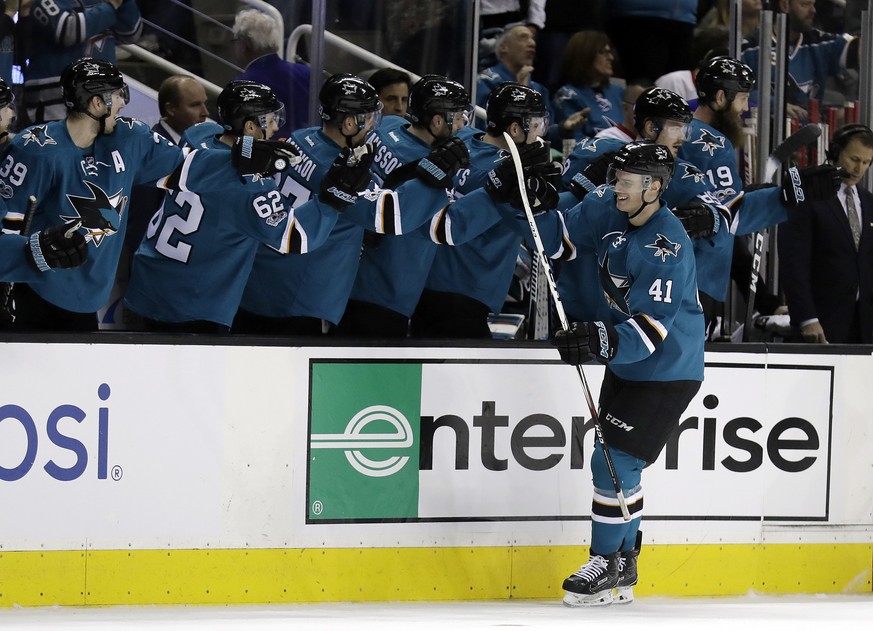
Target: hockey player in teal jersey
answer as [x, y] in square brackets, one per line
[652, 348]
[469, 280]
[297, 295]
[189, 272]
[393, 271]
[662, 116]
[723, 87]
[81, 171]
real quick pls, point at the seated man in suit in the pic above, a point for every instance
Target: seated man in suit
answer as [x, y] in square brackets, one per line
[826, 252]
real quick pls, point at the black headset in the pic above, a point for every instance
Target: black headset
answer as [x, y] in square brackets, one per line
[841, 139]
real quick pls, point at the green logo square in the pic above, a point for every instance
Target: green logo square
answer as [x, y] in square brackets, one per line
[363, 441]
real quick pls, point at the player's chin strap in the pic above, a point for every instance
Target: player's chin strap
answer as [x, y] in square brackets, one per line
[644, 204]
[101, 120]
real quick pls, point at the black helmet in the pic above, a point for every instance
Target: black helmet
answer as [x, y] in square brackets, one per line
[346, 94]
[86, 78]
[435, 94]
[643, 157]
[723, 73]
[512, 102]
[6, 95]
[242, 101]
[660, 104]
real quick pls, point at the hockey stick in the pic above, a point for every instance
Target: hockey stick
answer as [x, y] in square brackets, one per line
[565, 324]
[538, 303]
[6, 290]
[804, 136]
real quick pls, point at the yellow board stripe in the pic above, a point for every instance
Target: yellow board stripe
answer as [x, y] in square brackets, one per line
[141, 577]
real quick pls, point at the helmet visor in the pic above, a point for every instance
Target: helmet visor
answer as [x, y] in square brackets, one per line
[537, 126]
[369, 120]
[673, 130]
[625, 182]
[272, 121]
[461, 118]
[122, 93]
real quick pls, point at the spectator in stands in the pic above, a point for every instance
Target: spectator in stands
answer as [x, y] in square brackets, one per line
[706, 44]
[7, 40]
[393, 87]
[516, 50]
[257, 40]
[588, 102]
[826, 252]
[497, 13]
[814, 56]
[564, 18]
[653, 37]
[64, 31]
[719, 16]
[625, 130]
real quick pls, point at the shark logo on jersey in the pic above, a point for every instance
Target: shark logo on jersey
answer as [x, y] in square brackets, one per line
[91, 166]
[130, 122]
[39, 135]
[603, 103]
[663, 247]
[615, 286]
[709, 142]
[589, 144]
[100, 215]
[693, 172]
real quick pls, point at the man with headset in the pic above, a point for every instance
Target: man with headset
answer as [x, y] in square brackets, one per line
[826, 252]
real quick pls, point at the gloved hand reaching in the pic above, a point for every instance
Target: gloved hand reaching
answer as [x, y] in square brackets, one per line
[811, 184]
[446, 156]
[348, 175]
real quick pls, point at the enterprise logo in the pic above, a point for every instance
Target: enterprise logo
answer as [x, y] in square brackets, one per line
[355, 439]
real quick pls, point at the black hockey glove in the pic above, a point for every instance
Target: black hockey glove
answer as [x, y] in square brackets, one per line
[542, 182]
[580, 186]
[811, 184]
[699, 219]
[348, 175]
[502, 184]
[535, 153]
[446, 156]
[596, 170]
[61, 246]
[541, 195]
[585, 341]
[263, 157]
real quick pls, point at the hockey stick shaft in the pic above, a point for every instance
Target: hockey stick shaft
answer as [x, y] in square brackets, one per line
[565, 323]
[804, 136]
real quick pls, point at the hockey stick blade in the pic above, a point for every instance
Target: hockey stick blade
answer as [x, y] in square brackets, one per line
[804, 136]
[565, 323]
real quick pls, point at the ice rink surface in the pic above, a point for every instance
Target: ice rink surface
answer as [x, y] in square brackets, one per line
[794, 613]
